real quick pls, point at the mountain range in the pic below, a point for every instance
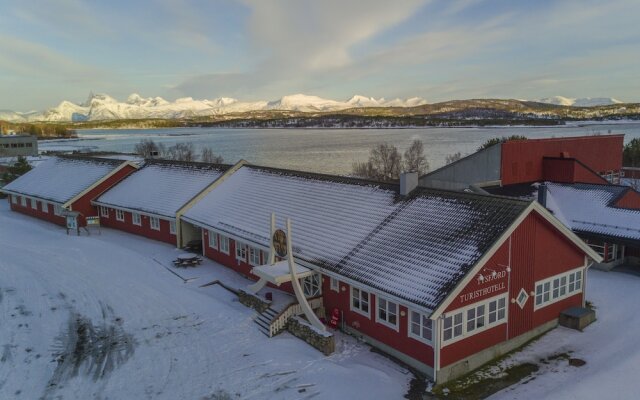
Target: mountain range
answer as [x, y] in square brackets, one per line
[102, 107]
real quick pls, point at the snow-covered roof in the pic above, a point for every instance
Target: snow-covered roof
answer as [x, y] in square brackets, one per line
[416, 248]
[60, 179]
[162, 187]
[590, 208]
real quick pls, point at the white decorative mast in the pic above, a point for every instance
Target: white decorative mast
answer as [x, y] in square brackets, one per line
[308, 312]
[281, 245]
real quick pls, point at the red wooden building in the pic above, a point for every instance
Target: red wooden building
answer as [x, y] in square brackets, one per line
[65, 183]
[584, 159]
[146, 202]
[443, 280]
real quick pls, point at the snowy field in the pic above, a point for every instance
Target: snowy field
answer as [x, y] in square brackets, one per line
[99, 317]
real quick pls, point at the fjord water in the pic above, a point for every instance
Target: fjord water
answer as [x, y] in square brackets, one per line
[330, 151]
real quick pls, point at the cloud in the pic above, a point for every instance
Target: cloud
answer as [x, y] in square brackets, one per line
[292, 41]
[31, 60]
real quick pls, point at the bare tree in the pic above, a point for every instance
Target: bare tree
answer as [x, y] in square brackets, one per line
[147, 148]
[452, 158]
[208, 156]
[383, 165]
[414, 158]
[181, 152]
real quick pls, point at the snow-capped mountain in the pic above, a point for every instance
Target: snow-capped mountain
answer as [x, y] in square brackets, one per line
[580, 102]
[104, 107]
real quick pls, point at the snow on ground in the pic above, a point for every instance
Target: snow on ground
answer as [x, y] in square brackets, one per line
[609, 346]
[99, 317]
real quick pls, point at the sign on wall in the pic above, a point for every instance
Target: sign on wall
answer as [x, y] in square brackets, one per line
[487, 282]
[93, 221]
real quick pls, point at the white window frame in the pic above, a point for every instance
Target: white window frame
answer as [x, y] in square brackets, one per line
[385, 309]
[361, 300]
[558, 287]
[420, 325]
[34, 203]
[334, 284]
[14, 199]
[104, 212]
[459, 319]
[312, 285]
[57, 210]
[213, 240]
[241, 251]
[254, 256]
[44, 207]
[225, 247]
[119, 215]
[23, 201]
[136, 219]
[172, 227]
[154, 223]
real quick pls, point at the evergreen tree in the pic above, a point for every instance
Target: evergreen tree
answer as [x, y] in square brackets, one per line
[20, 167]
[631, 154]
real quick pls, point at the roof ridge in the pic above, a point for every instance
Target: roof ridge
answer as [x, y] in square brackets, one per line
[91, 159]
[197, 164]
[327, 177]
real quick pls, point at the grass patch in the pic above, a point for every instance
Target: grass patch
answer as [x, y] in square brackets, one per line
[471, 387]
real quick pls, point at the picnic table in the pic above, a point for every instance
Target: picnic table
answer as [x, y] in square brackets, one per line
[187, 260]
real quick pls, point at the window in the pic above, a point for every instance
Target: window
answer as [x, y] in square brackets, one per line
[224, 244]
[387, 313]
[34, 204]
[213, 240]
[558, 287]
[522, 298]
[469, 320]
[334, 284]
[154, 223]
[104, 212]
[172, 227]
[420, 327]
[254, 256]
[23, 201]
[452, 326]
[44, 206]
[475, 318]
[311, 285]
[497, 310]
[120, 215]
[542, 293]
[57, 210]
[136, 219]
[14, 199]
[241, 252]
[360, 301]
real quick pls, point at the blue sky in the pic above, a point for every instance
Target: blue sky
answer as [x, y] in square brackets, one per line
[260, 49]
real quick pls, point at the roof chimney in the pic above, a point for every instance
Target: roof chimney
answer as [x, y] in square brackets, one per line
[408, 182]
[542, 195]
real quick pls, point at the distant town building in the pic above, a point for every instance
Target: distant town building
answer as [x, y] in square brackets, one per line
[18, 145]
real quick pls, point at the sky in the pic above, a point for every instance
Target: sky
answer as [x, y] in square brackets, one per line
[264, 49]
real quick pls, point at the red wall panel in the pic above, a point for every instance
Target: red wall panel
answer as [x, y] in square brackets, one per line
[631, 199]
[48, 216]
[144, 229]
[522, 159]
[83, 204]
[398, 339]
[538, 251]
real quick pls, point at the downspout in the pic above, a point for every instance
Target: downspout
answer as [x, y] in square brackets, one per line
[509, 288]
[436, 350]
